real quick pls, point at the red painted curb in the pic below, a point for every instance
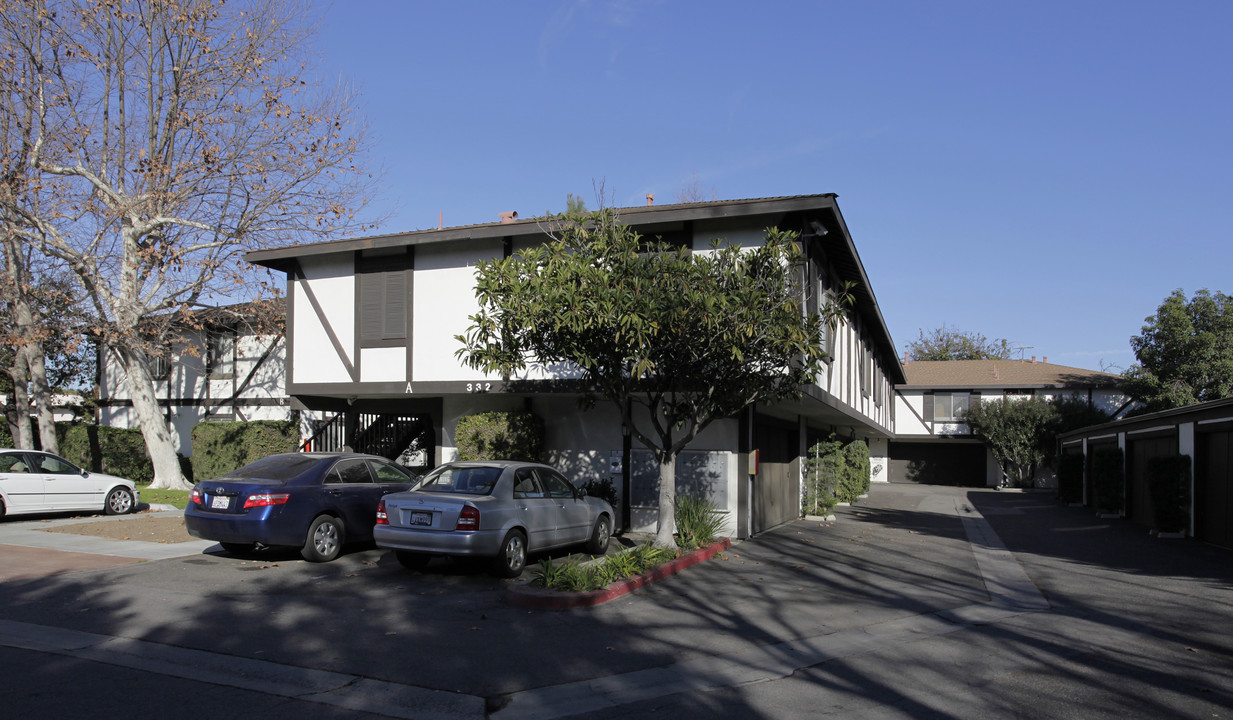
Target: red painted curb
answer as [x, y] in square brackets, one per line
[545, 599]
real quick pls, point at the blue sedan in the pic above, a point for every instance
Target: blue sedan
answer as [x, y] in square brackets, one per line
[313, 501]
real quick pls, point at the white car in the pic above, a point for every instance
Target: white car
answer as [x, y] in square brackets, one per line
[34, 482]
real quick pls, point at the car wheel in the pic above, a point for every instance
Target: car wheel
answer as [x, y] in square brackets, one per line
[412, 560]
[512, 558]
[598, 544]
[119, 501]
[324, 540]
[239, 548]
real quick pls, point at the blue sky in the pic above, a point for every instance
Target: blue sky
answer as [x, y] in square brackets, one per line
[1046, 172]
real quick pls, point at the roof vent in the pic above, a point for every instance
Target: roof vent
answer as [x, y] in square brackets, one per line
[508, 216]
[650, 199]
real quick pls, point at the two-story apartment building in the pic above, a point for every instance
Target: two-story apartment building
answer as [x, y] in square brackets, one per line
[218, 366]
[372, 325]
[934, 446]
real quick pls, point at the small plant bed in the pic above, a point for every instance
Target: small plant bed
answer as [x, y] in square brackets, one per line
[580, 584]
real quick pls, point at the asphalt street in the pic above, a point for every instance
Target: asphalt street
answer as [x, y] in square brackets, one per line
[917, 602]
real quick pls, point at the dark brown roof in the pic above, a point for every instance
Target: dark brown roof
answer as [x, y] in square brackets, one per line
[1001, 374]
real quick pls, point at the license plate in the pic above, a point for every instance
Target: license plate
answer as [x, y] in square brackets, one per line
[421, 518]
[220, 502]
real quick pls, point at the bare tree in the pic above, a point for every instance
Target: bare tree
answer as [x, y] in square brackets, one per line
[693, 192]
[169, 137]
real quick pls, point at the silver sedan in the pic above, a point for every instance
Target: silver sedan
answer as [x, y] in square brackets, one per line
[496, 509]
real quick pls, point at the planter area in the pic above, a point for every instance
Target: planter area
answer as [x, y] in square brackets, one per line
[525, 595]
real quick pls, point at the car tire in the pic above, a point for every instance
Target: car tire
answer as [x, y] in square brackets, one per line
[412, 560]
[324, 540]
[598, 544]
[119, 502]
[238, 548]
[512, 558]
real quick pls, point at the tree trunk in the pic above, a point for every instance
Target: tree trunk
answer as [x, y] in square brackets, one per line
[37, 363]
[153, 425]
[666, 531]
[23, 438]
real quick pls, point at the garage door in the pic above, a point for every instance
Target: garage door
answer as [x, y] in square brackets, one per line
[1214, 487]
[940, 463]
[1139, 452]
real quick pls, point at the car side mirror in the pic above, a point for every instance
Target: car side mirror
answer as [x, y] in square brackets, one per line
[582, 492]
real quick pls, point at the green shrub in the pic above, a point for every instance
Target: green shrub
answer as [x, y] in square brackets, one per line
[697, 521]
[500, 436]
[1070, 478]
[573, 576]
[823, 468]
[856, 458]
[111, 450]
[1108, 480]
[220, 447]
[602, 489]
[1168, 483]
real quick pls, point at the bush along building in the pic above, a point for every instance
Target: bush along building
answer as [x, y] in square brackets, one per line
[371, 344]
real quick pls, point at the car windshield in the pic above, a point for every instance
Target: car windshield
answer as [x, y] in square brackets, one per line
[465, 480]
[275, 467]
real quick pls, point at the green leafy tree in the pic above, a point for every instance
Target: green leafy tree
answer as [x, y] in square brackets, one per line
[1018, 432]
[676, 339]
[574, 204]
[948, 343]
[1185, 352]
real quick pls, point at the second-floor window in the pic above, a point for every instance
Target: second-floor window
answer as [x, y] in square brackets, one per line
[384, 298]
[950, 407]
[220, 356]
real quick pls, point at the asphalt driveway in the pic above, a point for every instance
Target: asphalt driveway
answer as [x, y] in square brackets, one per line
[919, 602]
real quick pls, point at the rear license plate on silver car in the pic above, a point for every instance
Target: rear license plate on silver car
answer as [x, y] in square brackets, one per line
[220, 502]
[421, 518]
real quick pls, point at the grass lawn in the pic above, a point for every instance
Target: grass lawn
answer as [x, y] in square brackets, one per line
[178, 498]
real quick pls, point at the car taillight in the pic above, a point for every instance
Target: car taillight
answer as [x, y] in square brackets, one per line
[468, 519]
[382, 518]
[264, 499]
[196, 497]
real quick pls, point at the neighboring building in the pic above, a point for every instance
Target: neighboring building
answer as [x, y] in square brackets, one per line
[372, 325]
[219, 369]
[1203, 432]
[932, 445]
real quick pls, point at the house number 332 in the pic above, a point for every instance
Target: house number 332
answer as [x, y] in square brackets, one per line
[478, 387]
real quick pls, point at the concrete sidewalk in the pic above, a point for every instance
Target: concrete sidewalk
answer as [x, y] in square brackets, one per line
[29, 550]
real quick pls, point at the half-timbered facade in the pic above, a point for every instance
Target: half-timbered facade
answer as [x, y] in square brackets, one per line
[372, 325]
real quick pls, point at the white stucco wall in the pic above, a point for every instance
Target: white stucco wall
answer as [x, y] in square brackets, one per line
[332, 282]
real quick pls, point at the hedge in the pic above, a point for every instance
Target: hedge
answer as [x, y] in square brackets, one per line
[500, 436]
[823, 468]
[111, 450]
[220, 447]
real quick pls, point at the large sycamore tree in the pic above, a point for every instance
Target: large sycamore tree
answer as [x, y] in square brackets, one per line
[160, 140]
[674, 338]
[1185, 352]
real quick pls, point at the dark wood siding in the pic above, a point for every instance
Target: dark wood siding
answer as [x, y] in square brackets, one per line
[1214, 487]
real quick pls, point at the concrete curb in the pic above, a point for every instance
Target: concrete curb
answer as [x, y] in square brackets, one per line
[544, 599]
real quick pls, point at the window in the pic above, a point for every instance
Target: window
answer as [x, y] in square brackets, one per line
[525, 484]
[557, 486]
[160, 363]
[384, 288]
[950, 407]
[220, 356]
[348, 472]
